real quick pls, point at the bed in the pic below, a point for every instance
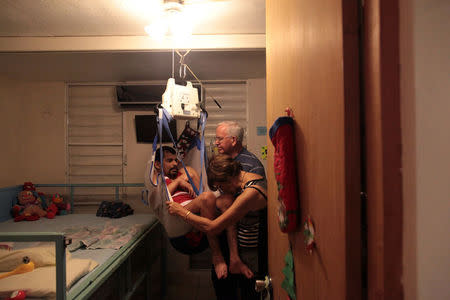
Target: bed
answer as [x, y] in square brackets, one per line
[95, 257]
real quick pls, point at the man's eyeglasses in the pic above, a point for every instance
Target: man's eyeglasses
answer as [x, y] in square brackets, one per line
[220, 138]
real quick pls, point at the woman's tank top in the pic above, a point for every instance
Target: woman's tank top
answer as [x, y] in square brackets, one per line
[250, 227]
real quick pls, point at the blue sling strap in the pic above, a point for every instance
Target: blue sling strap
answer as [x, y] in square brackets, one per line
[164, 122]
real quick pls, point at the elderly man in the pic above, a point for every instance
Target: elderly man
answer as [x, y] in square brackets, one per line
[229, 136]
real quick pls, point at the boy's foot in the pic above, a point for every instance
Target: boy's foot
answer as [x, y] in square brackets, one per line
[220, 267]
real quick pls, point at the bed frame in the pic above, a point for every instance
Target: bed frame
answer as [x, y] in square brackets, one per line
[137, 269]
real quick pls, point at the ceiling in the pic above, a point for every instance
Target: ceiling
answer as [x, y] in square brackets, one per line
[104, 40]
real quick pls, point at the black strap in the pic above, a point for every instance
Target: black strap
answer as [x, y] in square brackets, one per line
[253, 184]
[256, 188]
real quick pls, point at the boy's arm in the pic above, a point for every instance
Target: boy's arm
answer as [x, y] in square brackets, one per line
[193, 174]
[173, 185]
[180, 183]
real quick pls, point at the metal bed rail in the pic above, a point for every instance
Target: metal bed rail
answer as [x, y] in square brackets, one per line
[73, 186]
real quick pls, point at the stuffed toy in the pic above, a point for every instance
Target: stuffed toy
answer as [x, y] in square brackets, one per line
[29, 207]
[62, 208]
[28, 186]
[52, 210]
[26, 266]
[17, 295]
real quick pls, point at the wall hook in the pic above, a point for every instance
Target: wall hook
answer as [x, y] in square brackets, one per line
[289, 112]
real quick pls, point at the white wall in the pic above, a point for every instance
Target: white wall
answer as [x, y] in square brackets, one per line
[425, 97]
[32, 131]
[137, 155]
[256, 110]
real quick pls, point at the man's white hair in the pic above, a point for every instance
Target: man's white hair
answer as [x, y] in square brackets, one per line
[233, 129]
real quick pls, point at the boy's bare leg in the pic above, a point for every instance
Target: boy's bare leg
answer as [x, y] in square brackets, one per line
[205, 204]
[236, 264]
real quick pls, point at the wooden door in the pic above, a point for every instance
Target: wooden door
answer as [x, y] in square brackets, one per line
[312, 67]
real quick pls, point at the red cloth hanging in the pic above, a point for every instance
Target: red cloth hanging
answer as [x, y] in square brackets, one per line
[282, 136]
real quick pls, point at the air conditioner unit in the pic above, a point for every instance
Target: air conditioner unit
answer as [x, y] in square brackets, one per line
[143, 96]
[139, 96]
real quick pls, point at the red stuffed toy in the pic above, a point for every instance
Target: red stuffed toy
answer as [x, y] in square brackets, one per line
[29, 207]
[28, 186]
[52, 210]
[17, 295]
[58, 204]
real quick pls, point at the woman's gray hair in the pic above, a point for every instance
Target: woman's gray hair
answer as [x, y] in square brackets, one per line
[233, 129]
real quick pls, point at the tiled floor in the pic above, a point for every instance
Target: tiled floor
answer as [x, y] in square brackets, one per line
[193, 286]
[185, 283]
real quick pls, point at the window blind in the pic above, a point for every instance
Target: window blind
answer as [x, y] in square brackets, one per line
[233, 101]
[95, 142]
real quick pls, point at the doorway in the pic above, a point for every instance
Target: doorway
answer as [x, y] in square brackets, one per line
[313, 66]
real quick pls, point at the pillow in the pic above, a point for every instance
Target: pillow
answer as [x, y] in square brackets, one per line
[41, 282]
[41, 256]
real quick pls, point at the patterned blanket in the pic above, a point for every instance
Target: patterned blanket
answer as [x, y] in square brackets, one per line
[94, 237]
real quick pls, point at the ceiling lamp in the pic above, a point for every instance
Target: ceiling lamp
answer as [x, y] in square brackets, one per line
[172, 22]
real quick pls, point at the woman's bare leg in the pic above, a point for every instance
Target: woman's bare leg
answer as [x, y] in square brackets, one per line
[205, 204]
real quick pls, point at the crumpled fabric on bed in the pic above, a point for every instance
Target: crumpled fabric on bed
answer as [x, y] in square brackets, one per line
[105, 236]
[112, 209]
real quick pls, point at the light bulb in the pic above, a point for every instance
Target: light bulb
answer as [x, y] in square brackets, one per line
[180, 27]
[173, 23]
[157, 29]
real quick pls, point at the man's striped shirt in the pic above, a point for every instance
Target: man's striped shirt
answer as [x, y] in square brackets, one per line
[250, 163]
